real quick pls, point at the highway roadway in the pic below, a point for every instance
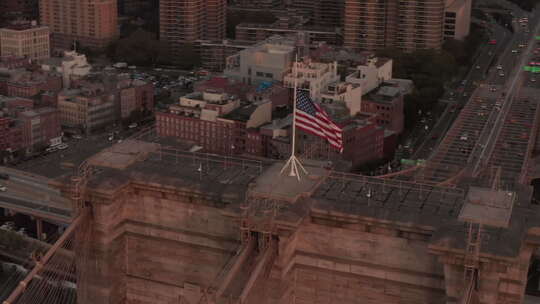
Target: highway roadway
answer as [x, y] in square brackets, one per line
[30, 194]
[484, 73]
[494, 126]
[485, 146]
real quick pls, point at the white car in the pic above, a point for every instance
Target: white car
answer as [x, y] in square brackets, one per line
[132, 126]
[62, 146]
[499, 67]
[3, 188]
[51, 149]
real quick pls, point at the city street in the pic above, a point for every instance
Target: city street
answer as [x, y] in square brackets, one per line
[58, 163]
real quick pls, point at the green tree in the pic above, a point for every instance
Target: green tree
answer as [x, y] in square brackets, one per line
[184, 56]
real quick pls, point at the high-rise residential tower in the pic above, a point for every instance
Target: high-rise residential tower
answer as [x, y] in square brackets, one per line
[406, 25]
[188, 21]
[30, 41]
[328, 13]
[90, 23]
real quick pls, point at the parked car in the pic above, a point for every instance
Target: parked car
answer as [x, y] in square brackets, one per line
[51, 149]
[4, 176]
[3, 188]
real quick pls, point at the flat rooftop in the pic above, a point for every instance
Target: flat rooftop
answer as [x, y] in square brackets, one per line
[228, 182]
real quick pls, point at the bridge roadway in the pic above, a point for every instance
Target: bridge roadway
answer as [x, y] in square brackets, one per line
[489, 56]
[495, 127]
[31, 195]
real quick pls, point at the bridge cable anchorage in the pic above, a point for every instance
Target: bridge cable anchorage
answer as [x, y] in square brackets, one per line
[58, 271]
[49, 258]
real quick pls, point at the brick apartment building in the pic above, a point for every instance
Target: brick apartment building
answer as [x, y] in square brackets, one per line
[10, 134]
[139, 95]
[11, 106]
[188, 21]
[387, 103]
[40, 126]
[28, 84]
[97, 101]
[363, 142]
[25, 83]
[93, 24]
[11, 63]
[407, 25]
[30, 41]
[218, 122]
[87, 110]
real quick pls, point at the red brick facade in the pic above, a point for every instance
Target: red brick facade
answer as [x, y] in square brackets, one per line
[10, 134]
[224, 137]
[31, 86]
[138, 97]
[39, 126]
[389, 114]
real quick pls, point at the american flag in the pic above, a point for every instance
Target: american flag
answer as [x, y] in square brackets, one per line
[311, 118]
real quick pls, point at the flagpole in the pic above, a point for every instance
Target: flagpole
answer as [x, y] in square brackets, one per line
[293, 162]
[295, 95]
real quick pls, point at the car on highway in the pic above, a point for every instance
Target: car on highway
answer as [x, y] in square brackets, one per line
[3, 188]
[4, 176]
[51, 149]
[62, 146]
